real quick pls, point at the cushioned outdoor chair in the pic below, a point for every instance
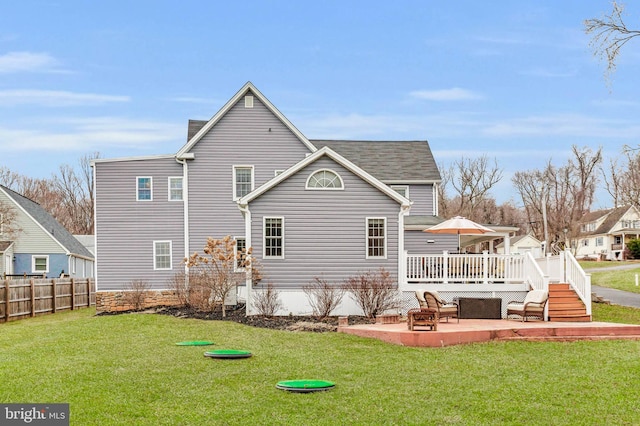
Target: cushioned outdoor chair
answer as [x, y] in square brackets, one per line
[533, 305]
[445, 310]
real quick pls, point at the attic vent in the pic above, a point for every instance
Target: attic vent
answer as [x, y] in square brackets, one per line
[248, 101]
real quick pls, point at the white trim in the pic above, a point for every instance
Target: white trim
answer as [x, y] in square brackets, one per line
[248, 87]
[366, 235]
[235, 253]
[169, 188]
[140, 158]
[405, 187]
[155, 268]
[33, 263]
[248, 101]
[321, 188]
[150, 187]
[234, 169]
[264, 238]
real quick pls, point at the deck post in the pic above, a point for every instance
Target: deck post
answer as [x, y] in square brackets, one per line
[445, 267]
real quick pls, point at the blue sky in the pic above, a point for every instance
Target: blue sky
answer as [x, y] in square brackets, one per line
[515, 80]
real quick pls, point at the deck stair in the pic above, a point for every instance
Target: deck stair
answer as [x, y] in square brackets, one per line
[565, 305]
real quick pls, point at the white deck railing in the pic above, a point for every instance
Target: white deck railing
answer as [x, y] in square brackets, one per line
[482, 268]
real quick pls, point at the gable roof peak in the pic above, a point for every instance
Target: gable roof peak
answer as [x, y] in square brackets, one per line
[248, 87]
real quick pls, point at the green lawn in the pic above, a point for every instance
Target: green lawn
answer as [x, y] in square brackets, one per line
[126, 369]
[618, 279]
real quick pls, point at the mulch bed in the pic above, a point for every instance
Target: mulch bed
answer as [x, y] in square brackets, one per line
[237, 314]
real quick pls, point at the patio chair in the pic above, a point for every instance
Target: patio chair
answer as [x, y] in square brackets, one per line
[422, 316]
[533, 305]
[445, 310]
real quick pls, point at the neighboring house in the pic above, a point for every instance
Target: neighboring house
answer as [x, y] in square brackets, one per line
[39, 245]
[522, 244]
[604, 233]
[308, 208]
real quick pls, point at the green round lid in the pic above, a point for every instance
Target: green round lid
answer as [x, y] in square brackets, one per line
[227, 353]
[195, 343]
[305, 385]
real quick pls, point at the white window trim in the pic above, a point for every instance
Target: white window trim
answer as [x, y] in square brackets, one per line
[366, 237]
[234, 167]
[33, 263]
[170, 255]
[150, 187]
[264, 237]
[169, 188]
[307, 187]
[235, 253]
[405, 187]
[248, 101]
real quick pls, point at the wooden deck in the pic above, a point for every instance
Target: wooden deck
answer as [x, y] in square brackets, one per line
[479, 331]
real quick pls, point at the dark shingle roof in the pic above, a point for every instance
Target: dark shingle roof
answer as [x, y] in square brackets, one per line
[610, 221]
[388, 160]
[194, 127]
[59, 232]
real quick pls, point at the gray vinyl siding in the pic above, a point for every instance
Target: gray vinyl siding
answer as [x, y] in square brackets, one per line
[415, 242]
[243, 137]
[422, 197]
[31, 237]
[324, 231]
[126, 228]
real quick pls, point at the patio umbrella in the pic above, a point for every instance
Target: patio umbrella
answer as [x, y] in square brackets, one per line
[459, 225]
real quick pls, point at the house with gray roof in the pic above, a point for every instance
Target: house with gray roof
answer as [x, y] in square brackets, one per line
[604, 233]
[307, 208]
[34, 243]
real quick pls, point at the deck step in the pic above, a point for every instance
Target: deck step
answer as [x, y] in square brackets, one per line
[569, 318]
[564, 305]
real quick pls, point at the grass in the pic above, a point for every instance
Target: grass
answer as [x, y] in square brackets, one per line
[126, 369]
[618, 279]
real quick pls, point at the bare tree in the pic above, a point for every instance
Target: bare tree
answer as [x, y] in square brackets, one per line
[76, 189]
[9, 228]
[608, 35]
[623, 180]
[562, 194]
[471, 180]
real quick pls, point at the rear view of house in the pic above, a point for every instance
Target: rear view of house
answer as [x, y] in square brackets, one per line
[308, 208]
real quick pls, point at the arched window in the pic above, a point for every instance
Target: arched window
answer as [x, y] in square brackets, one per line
[324, 179]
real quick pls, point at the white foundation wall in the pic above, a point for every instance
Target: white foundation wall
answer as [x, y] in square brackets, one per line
[296, 302]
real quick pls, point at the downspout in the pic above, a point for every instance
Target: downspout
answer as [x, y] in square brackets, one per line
[244, 208]
[185, 204]
[402, 261]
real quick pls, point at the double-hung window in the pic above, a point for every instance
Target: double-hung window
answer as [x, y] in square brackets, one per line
[144, 188]
[39, 264]
[175, 188]
[242, 181]
[161, 255]
[273, 228]
[376, 237]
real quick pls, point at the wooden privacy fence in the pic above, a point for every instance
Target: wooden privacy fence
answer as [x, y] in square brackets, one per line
[31, 297]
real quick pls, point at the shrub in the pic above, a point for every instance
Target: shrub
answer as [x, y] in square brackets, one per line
[135, 293]
[217, 271]
[323, 297]
[374, 292]
[267, 301]
[634, 248]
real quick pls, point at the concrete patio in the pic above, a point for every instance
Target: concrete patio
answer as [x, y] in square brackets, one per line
[479, 330]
